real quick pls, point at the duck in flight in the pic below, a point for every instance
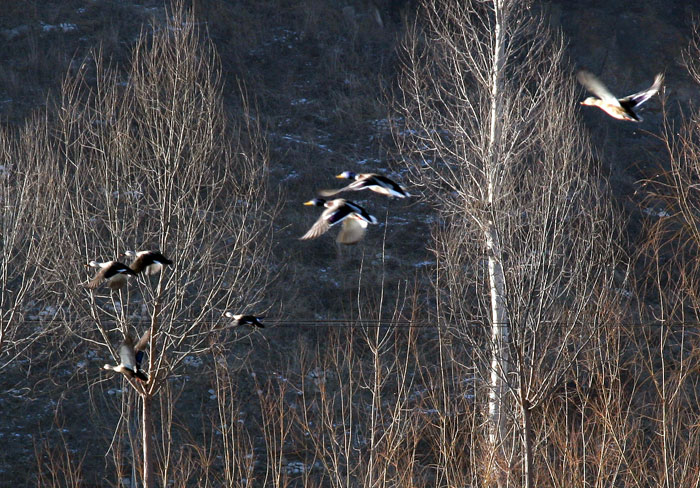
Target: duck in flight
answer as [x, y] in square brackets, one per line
[245, 319]
[130, 356]
[113, 272]
[620, 108]
[353, 217]
[151, 262]
[370, 181]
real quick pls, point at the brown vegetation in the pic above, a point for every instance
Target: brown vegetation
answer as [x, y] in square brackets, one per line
[593, 356]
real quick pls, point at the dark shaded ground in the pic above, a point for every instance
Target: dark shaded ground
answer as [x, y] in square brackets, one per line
[316, 73]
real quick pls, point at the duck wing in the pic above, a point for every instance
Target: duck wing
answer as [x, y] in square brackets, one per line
[141, 375]
[117, 268]
[337, 212]
[155, 257]
[139, 359]
[595, 86]
[386, 186]
[251, 320]
[117, 281]
[641, 97]
[97, 280]
[352, 232]
[160, 258]
[143, 342]
[360, 212]
[366, 180]
[126, 354]
[141, 262]
[330, 193]
[319, 228]
[109, 271]
[139, 348]
[116, 273]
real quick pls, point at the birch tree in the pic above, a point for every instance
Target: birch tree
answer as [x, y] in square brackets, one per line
[527, 249]
[149, 162]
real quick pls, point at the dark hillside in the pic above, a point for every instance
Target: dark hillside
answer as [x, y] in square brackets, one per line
[318, 76]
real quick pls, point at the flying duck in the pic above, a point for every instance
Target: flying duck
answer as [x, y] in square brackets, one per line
[620, 108]
[150, 261]
[114, 272]
[245, 319]
[131, 356]
[372, 181]
[354, 218]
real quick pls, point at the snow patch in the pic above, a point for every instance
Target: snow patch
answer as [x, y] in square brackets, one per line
[298, 140]
[63, 27]
[362, 162]
[291, 176]
[193, 361]
[297, 467]
[656, 212]
[129, 194]
[623, 292]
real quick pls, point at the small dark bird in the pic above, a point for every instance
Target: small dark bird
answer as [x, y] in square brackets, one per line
[113, 272]
[620, 108]
[150, 261]
[354, 218]
[371, 181]
[245, 319]
[131, 356]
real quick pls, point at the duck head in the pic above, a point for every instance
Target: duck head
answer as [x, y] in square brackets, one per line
[316, 202]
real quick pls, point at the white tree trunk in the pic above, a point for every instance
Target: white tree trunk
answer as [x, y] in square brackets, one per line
[500, 334]
[500, 331]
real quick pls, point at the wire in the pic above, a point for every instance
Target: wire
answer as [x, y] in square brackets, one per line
[376, 323]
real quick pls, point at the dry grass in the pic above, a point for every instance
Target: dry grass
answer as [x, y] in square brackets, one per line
[360, 406]
[312, 405]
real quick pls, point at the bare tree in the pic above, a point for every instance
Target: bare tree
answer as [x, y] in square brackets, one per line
[487, 123]
[28, 309]
[670, 206]
[149, 162]
[670, 290]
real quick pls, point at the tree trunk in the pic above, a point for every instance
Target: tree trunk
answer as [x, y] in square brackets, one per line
[147, 429]
[500, 331]
[527, 437]
[148, 457]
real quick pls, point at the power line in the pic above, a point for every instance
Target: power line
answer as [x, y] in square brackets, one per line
[373, 323]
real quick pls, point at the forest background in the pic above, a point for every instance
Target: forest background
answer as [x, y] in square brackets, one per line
[200, 132]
